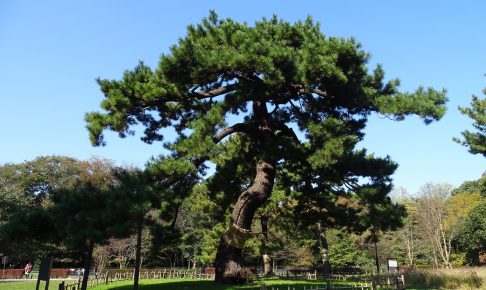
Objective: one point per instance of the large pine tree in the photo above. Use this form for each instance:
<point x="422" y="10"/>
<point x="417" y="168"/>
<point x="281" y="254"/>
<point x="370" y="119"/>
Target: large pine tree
<point x="302" y="99"/>
<point x="475" y="141"/>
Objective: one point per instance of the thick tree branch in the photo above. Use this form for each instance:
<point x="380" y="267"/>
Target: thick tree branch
<point x="287" y="131"/>
<point x="214" y="92"/>
<point x="240" y="127"/>
<point x="176" y="214"/>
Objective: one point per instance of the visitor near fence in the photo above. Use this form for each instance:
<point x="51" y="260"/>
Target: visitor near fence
<point x="28" y="269"/>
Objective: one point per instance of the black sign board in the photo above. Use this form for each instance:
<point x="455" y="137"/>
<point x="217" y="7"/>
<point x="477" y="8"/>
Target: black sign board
<point x="44" y="272"/>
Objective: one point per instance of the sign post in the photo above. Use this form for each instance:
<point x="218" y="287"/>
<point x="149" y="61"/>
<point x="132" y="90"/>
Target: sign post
<point x="4" y="261"/>
<point x="392" y="265"/>
<point x="44" y="272"/>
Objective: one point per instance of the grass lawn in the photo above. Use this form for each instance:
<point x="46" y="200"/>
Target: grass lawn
<point x="29" y="285"/>
<point x="183" y="284"/>
<point x="172" y="284"/>
<point x="180" y="284"/>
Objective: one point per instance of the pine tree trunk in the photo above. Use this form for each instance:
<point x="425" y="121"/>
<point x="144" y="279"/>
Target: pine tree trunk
<point x="229" y="263"/>
<point x="87" y="265"/>
<point x="138" y="254"/>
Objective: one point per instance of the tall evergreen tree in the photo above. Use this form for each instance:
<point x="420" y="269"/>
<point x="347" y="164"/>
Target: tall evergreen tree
<point x="83" y="213"/>
<point x="475" y="141"/>
<point x="285" y="81"/>
<point x="134" y="196"/>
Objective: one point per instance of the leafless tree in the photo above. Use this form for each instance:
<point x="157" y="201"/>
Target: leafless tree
<point x="409" y="232"/>
<point x="121" y="251"/>
<point x="432" y="216"/>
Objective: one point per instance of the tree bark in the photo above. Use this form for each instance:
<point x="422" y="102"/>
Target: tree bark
<point x="377" y="262"/>
<point x="229" y="263"/>
<point x="87" y="265"/>
<point x="375" y="241"/>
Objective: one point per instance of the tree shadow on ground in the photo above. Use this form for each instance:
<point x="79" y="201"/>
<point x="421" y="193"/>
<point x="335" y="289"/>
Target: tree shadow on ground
<point x="186" y="285"/>
<point x="211" y="285"/>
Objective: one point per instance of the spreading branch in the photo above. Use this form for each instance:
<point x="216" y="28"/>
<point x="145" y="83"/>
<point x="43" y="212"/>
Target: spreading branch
<point x="213" y="93"/>
<point x="240" y="127"/>
<point x="287" y="131"/>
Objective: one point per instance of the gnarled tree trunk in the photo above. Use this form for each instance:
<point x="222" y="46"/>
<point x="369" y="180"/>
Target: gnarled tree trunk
<point x="228" y="263"/>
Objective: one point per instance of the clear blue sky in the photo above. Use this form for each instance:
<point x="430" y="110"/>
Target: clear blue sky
<point x="52" y="51"/>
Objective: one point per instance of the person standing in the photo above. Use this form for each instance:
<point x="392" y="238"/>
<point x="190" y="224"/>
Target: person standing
<point x="28" y="269"/>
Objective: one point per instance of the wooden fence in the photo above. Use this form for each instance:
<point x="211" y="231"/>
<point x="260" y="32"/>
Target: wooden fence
<point x="388" y="281"/>
<point x="324" y="287"/>
<point x="107" y="278"/>
<point x="354" y="282"/>
<point x="382" y="282"/>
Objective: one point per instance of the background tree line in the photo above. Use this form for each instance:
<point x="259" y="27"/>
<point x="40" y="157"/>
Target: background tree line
<point x="443" y="226"/>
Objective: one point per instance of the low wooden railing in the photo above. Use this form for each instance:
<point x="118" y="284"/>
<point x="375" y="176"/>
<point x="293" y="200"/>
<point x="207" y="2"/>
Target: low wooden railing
<point x="107" y="277"/>
<point x="355" y="281"/>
